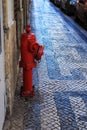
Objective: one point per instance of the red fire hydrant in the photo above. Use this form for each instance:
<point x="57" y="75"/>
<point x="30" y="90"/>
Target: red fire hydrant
<point x="30" y="52"/>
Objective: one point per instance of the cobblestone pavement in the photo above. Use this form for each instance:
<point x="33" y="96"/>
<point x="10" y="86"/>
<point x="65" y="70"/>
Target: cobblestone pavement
<point x="60" y="78"/>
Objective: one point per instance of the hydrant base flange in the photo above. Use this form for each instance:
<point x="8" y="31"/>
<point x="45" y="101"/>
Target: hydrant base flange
<point x="27" y="93"/>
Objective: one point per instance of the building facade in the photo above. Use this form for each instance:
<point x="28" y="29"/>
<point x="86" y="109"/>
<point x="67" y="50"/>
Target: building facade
<point x="13" y="19"/>
<point x="2" y="72"/>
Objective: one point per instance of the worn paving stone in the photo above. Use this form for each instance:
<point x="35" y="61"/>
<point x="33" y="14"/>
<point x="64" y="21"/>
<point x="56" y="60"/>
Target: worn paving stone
<point x="18" y="108"/>
<point x="60" y="78"/>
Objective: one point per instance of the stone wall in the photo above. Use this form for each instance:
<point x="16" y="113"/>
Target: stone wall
<point x="11" y="64"/>
<point x="26" y="9"/>
<point x="12" y="47"/>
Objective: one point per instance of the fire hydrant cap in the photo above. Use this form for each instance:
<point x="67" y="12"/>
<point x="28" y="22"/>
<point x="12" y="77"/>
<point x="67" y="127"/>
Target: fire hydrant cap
<point x="28" y="28"/>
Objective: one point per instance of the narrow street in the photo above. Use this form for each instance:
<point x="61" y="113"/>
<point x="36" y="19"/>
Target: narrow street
<point x="60" y="78"/>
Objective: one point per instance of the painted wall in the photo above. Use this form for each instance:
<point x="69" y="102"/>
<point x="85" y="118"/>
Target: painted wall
<point x="2" y="73"/>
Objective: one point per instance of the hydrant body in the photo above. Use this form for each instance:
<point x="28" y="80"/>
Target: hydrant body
<point x="30" y="52"/>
